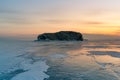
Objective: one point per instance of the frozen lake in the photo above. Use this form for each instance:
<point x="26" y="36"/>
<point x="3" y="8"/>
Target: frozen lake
<point x="87" y="60"/>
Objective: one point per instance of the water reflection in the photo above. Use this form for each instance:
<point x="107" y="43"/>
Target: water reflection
<point x="65" y="60"/>
<point x="81" y="60"/>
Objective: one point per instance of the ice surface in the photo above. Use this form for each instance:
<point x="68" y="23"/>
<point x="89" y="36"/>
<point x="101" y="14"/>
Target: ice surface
<point x="25" y="60"/>
<point x="18" y="63"/>
<point x="35" y="71"/>
<point x="111" y="53"/>
<point x="58" y="56"/>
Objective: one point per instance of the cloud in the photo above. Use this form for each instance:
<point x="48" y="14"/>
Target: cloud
<point x="93" y="22"/>
<point x="118" y="32"/>
<point x="57" y="21"/>
<point x="14" y="20"/>
<point x="74" y="21"/>
<point x="10" y="16"/>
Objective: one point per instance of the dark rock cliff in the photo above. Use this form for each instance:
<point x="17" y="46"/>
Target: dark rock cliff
<point x="61" y="36"/>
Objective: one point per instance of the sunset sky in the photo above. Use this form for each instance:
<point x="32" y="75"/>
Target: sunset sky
<point x="38" y="16"/>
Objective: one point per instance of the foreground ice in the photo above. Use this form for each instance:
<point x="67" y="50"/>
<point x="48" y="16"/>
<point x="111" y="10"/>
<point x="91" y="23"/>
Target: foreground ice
<point x="35" y="71"/>
<point x="18" y="63"/>
<point x="23" y="60"/>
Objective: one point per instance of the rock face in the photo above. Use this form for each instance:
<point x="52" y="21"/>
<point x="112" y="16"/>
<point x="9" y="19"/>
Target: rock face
<point x="61" y="36"/>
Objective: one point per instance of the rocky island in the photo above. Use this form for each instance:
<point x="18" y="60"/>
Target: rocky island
<point x="61" y="36"/>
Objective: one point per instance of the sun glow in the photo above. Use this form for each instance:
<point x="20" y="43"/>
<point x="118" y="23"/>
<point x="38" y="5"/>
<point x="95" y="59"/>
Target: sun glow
<point x="94" y="17"/>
